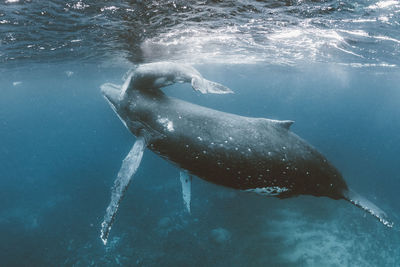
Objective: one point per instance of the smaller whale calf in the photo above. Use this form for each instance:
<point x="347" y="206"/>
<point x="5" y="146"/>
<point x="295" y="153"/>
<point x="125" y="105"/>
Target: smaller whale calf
<point x="252" y="154"/>
<point x="161" y="74"/>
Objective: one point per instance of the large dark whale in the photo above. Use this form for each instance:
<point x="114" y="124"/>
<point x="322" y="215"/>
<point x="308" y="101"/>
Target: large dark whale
<point x="252" y="154"/>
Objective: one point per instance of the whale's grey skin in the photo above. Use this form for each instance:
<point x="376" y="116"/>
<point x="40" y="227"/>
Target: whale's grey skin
<point x="252" y="154"/>
<point x="230" y="150"/>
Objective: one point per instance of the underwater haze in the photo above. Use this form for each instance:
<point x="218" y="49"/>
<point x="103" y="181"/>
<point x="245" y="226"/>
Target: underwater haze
<point x="333" y="67"/>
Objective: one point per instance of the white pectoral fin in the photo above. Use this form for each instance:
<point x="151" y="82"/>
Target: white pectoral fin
<point x="128" y="168"/>
<point x="205" y="86"/>
<point x="198" y="84"/>
<point x="216" y="88"/>
<point x="186" y="181"/>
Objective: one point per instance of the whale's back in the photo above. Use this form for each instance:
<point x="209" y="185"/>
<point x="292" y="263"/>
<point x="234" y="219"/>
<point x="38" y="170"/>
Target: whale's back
<point x="235" y="151"/>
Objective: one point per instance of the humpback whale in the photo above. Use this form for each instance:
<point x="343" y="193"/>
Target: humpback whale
<point x="252" y="154"/>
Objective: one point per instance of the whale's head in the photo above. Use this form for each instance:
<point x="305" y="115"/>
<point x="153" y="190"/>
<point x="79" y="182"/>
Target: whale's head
<point x="118" y="95"/>
<point x="112" y="93"/>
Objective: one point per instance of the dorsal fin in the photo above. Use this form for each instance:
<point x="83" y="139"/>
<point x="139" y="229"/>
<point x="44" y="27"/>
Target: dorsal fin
<point x="284" y="124"/>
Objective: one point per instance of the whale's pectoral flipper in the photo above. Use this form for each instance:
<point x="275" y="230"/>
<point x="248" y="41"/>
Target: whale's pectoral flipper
<point x="128" y="169"/>
<point x="205" y="86"/>
<point x="368" y="206"/>
<point x="186" y="181"/>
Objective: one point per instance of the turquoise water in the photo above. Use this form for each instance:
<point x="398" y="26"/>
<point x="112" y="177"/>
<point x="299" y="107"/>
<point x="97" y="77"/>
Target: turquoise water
<point x="332" y="68"/>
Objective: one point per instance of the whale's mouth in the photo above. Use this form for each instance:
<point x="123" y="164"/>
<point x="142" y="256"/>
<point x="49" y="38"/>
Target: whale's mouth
<point x="111" y="92"/>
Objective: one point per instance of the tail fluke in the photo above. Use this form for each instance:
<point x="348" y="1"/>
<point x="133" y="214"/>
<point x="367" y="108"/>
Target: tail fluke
<point x="205" y="86"/>
<point x="368" y="206"/>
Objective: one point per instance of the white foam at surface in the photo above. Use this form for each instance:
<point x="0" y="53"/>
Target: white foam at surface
<point x="383" y="4"/>
<point x="277" y="41"/>
<point x="129" y="166"/>
<point x="286" y="45"/>
<point x="79" y="5"/>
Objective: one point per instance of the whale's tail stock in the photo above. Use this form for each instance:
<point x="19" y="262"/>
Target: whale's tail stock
<point x="368" y="206"/>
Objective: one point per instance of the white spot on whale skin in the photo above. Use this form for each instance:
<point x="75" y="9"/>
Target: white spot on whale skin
<point x="167" y="124"/>
<point x="268" y="191"/>
<point x="17" y="83"/>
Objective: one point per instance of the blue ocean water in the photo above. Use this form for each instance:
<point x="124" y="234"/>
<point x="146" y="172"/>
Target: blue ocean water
<point x="332" y="67"/>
